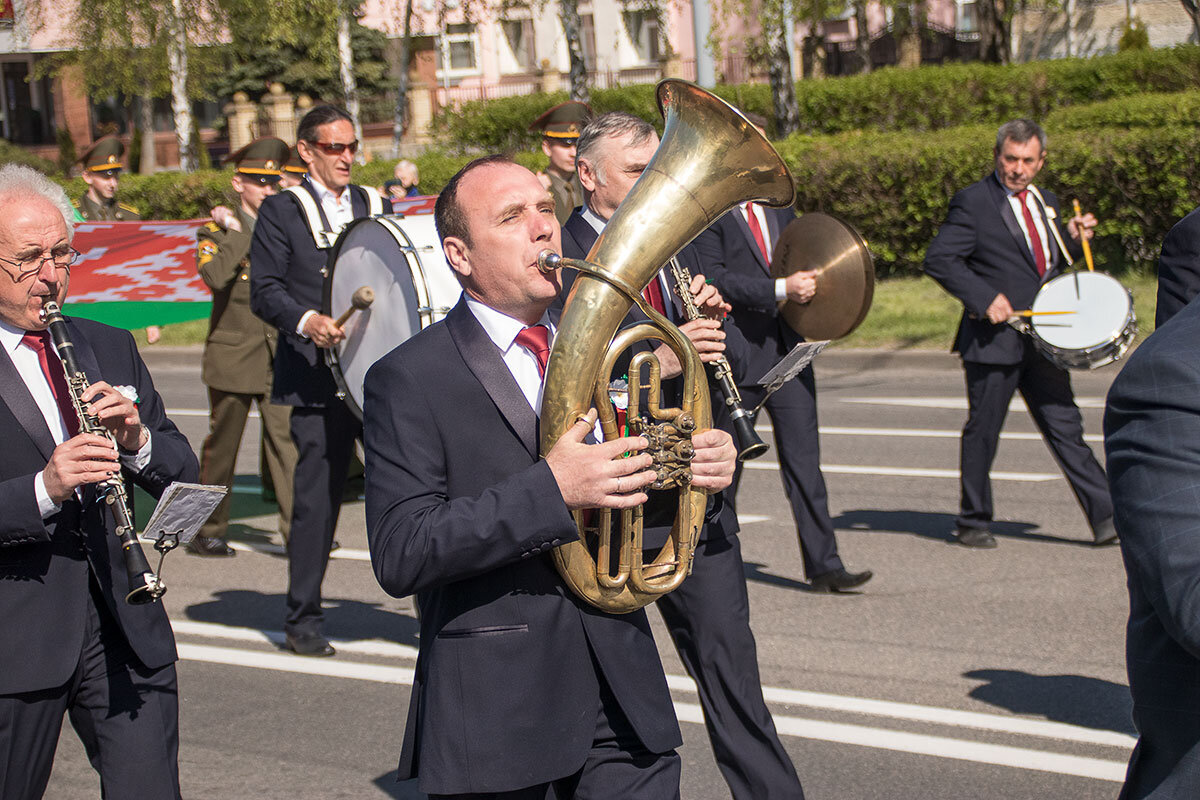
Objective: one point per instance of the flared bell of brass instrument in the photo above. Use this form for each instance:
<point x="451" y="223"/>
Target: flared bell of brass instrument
<point x="710" y="159"/>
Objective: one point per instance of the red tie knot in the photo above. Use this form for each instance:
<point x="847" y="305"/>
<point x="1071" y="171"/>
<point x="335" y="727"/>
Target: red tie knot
<point x="536" y="339"/>
<point x="36" y="340"/>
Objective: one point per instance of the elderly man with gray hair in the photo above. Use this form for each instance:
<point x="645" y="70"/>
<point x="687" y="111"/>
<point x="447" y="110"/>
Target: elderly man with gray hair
<point x="72" y="644"/>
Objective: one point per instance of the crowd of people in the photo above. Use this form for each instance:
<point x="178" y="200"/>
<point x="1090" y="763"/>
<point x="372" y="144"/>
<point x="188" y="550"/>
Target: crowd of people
<point x="523" y="689"/>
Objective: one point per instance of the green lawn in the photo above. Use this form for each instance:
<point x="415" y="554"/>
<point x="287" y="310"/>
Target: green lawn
<point x="907" y="314"/>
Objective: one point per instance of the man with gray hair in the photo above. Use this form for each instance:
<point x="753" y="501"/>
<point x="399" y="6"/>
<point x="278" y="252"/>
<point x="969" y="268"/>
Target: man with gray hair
<point x="1001" y="241"/>
<point x="72" y="645"/>
<point x="708" y="616"/>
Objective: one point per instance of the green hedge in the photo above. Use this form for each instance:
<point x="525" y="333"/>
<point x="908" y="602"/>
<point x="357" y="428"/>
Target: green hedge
<point x="926" y="98"/>
<point x="896" y="187"/>
<point x="12" y="154"/>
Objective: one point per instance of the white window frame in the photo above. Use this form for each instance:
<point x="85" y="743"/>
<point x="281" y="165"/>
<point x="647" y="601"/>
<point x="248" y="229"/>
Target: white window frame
<point x="446" y="39"/>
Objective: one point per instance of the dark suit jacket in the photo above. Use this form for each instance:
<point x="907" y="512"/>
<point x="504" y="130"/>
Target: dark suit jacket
<point x="730" y="257"/>
<point x="462" y="512"/>
<point x="44" y="564"/>
<point x="288" y="280"/>
<point x="1152" y="440"/>
<point x="980" y="252"/>
<point x="1178" y="268"/>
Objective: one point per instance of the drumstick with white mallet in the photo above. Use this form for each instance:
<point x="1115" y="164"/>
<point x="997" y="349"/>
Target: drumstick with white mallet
<point x="1027" y="313"/>
<point x="1083" y="240"/>
<point x="362" y="298"/>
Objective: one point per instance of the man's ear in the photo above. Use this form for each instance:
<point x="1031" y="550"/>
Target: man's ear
<point x="236" y="181"/>
<point x="587" y="177"/>
<point x="546" y="146"/>
<point x="305" y="152"/>
<point x="457" y="255"/>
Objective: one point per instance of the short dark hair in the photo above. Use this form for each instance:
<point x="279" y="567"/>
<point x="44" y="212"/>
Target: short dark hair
<point x="1020" y="131"/>
<point x="447" y="212"/>
<point x="318" y="116"/>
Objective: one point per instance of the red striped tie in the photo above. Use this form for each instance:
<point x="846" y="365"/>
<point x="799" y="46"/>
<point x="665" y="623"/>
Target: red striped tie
<point x="756" y="229"/>
<point x="39" y="342"/>
<point x="1035" y="241"/>
<point x="536" y="339"/>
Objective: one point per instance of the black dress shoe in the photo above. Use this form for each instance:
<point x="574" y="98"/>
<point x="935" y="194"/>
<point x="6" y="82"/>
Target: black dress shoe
<point x="839" y="580"/>
<point x="309" y="644"/>
<point x="975" y="537"/>
<point x="213" y="546"/>
<point x="1104" y="533"/>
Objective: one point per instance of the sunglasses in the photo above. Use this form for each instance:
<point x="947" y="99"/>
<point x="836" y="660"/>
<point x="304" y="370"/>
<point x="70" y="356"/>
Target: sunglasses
<point x="336" y="148"/>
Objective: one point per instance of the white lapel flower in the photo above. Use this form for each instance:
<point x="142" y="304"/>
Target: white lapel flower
<point x="129" y="392"/>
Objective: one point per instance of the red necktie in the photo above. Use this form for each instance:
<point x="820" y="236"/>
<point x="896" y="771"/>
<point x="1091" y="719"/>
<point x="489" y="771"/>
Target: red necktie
<point x="39" y="342"/>
<point x="756" y="229"/>
<point x="654" y="296"/>
<point x="1039" y="257"/>
<point x="536" y="339"/>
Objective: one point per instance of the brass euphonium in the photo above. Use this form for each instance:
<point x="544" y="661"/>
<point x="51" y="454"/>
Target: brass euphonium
<point x="710" y="159"/>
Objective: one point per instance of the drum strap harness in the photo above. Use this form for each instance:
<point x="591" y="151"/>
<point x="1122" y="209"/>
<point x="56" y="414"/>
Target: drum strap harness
<point x="322" y="236"/>
<point x="1051" y="218"/>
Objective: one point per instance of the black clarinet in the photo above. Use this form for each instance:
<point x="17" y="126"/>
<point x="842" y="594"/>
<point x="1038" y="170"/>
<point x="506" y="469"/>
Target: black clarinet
<point x="145" y="585"/>
<point x="749" y="445"/>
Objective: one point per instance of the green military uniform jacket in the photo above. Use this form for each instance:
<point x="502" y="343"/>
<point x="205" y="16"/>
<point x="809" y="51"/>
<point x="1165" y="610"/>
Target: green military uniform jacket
<point x="105" y="212"/>
<point x="239" y="352"/>
<point x="568" y="195"/>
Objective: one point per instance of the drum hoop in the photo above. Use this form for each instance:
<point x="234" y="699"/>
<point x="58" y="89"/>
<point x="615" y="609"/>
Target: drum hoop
<point x="411" y="258"/>
<point x="1097" y="355"/>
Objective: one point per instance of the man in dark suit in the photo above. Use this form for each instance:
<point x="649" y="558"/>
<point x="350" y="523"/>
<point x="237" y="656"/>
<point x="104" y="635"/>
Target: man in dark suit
<point x="735" y="252"/>
<point x="289" y="250"/>
<point x="522" y="689"/>
<point x="240" y="348"/>
<point x="1002" y="239"/>
<point x="71" y="643"/>
<point x="1152" y="441"/>
<point x="708" y="617"/>
<point x="1178" y="268"/>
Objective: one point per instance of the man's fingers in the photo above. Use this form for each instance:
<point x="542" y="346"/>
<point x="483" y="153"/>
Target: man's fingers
<point x="579" y="431"/>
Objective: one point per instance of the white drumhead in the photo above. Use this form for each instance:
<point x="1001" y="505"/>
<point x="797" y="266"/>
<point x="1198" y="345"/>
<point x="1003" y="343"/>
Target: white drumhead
<point x="1100" y="304"/>
<point x="402" y="261"/>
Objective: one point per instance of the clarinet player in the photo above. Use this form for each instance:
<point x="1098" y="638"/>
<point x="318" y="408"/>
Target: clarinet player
<point x="72" y="645"/>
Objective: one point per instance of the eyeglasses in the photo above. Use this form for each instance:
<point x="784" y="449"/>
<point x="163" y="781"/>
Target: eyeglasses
<point x="336" y="148"/>
<point x="63" y="257"/>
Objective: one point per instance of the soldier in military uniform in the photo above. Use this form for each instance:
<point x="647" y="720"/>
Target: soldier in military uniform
<point x="560" y="127"/>
<point x="101" y="172"/>
<point x="294" y="170"/>
<point x="240" y="349"/>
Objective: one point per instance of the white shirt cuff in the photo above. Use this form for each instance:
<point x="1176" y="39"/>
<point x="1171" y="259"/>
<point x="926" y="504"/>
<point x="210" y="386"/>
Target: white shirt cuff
<point x="304" y="319"/>
<point x="136" y="462"/>
<point x="780" y="290"/>
<point x="46" y="507"/>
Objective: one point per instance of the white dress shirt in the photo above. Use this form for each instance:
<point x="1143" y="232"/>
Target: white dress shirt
<point x="780" y="283"/>
<point x="30" y="369"/>
<point x="668" y="292"/>
<point x="1038" y="223"/>
<point x="340" y="212"/>
<point x="523" y="364"/>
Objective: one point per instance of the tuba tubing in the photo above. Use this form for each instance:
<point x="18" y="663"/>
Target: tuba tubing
<point x="710" y="159"/>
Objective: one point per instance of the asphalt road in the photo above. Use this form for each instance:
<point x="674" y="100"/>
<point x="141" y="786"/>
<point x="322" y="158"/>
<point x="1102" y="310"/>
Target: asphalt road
<point x="955" y="674"/>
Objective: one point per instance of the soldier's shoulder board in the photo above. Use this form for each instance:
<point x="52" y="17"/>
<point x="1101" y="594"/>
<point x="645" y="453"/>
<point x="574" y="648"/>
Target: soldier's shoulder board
<point x="129" y="208"/>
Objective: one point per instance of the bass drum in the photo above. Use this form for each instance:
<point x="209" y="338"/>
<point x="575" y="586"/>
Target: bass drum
<point x="1099" y="324"/>
<point x="400" y="258"/>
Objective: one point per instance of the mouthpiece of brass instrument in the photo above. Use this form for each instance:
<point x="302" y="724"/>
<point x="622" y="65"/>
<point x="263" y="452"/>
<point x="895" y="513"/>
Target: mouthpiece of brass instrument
<point x="548" y="260"/>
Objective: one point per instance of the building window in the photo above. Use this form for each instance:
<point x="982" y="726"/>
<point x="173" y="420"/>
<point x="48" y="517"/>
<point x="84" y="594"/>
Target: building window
<point x="967" y="17"/>
<point x="459" y="48"/>
<point x="518" y="53"/>
<point x="642" y="28"/>
<point x="588" y="26"/>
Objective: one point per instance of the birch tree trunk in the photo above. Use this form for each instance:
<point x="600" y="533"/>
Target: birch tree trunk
<point x="862" y="36"/>
<point x="779" y="71"/>
<point x="177" y="65"/>
<point x="349" y="84"/>
<point x="400" y="117"/>
<point x="573" y="30"/>
<point x="149" y="160"/>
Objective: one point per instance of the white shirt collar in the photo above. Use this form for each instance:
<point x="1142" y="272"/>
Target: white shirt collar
<point x="10" y="337"/>
<point x="324" y="194"/>
<point x="501" y="328"/>
<point x="593" y="219"/>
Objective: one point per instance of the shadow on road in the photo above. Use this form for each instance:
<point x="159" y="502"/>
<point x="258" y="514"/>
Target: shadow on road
<point x="344" y="619"/>
<point x="400" y="790"/>
<point x="754" y="572"/>
<point x="1073" y="699"/>
<point x="939" y="527"/>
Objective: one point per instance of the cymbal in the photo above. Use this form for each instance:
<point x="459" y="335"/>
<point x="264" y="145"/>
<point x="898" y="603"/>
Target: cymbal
<point x="845" y="275"/>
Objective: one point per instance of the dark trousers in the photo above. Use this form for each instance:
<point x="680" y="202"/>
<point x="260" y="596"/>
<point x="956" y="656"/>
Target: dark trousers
<point x="1047" y="392"/>
<point x="708" y="617"/>
<point x="324" y="441"/>
<point x="127" y="717"/>
<point x="793" y="413"/>
<point x="617" y="766"/>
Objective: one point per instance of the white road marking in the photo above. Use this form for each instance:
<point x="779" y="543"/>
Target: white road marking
<point x="746" y="519"/>
<point x="929" y="433"/>
<point x="861" y="735"/>
<point x="345" y="553"/>
<point x="201" y="412"/>
<point x="957" y="402"/>
<point x="909" y="472"/>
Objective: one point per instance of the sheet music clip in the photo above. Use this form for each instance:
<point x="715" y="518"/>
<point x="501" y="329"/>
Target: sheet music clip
<point x="180" y="512"/>
<point x="789" y="367"/>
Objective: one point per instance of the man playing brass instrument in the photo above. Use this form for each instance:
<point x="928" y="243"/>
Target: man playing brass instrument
<point x="521" y="689"/>
<point x="71" y="643"/>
